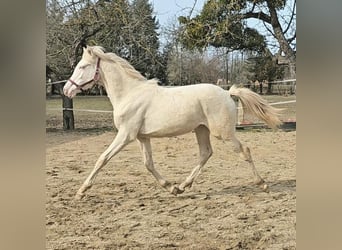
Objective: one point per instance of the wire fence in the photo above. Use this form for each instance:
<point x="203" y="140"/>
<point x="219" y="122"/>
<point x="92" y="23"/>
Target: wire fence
<point x="280" y="87"/>
<point x="103" y="118"/>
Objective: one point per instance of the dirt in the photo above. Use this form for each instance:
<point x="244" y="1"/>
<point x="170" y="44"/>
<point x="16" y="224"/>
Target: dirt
<point x="127" y="209"/>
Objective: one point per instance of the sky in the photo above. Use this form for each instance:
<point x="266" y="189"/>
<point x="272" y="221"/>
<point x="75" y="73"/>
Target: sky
<point x="165" y="10"/>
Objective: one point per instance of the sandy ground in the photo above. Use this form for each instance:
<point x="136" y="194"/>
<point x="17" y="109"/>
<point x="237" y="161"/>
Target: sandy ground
<point x="127" y="209"/>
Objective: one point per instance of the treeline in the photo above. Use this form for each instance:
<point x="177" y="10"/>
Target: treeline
<point x="216" y="44"/>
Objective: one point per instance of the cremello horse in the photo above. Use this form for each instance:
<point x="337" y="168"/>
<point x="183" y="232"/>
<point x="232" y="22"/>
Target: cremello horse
<point x="143" y="110"/>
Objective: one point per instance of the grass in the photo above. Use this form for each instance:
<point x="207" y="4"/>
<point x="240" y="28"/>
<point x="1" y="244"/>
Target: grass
<point x="82" y="102"/>
<point x="289" y="109"/>
<point x="84" y="120"/>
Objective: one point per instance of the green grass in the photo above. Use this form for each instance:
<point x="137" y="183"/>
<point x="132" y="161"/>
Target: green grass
<point x="83" y="120"/>
<point x="278" y="98"/>
<point x="103" y="103"/>
<point x="289" y="109"/>
<point x="82" y="102"/>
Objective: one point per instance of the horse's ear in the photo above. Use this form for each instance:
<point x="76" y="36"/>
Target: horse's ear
<point x="88" y="50"/>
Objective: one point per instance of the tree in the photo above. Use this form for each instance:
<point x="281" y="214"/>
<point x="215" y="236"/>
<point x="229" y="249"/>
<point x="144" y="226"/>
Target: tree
<point x="264" y="67"/>
<point x="185" y="66"/>
<point x="218" y="25"/>
<point x="144" y="54"/>
<point x="128" y="29"/>
<point x="68" y="28"/>
<point x="163" y="66"/>
<point x="116" y="25"/>
<point x="222" y="23"/>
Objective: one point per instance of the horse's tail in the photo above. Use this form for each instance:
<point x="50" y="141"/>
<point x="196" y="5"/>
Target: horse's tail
<point x="253" y="103"/>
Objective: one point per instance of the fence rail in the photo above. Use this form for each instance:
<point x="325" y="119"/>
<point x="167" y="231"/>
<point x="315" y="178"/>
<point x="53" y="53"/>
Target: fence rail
<point x="52" y="83"/>
<point x="82" y="110"/>
<point x="226" y="85"/>
<point x="280" y="81"/>
<point x="281" y="87"/>
<point x="111" y="111"/>
<point x="240" y="114"/>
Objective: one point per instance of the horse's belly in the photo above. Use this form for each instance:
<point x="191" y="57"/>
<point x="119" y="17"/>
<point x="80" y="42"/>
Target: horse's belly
<point x="172" y="124"/>
<point x="165" y="132"/>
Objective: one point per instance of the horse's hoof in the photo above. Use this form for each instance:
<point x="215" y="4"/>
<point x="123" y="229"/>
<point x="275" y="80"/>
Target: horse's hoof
<point x="79" y="196"/>
<point x="184" y="185"/>
<point x="265" y="188"/>
<point x="175" y="190"/>
<point x="259" y="182"/>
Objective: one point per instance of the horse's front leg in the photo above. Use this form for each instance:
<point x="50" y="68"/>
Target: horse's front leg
<point x="121" y="140"/>
<point x="146" y="150"/>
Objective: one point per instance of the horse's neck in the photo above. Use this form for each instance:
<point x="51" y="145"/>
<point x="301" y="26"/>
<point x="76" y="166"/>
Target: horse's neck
<point x="117" y="84"/>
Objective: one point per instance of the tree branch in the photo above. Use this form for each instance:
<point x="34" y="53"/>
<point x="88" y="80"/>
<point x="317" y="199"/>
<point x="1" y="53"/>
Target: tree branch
<point x="269" y="30"/>
<point x="292" y="15"/>
<point x="253" y="7"/>
<point x="258" y="15"/>
<point x="192" y="9"/>
<point x="292" y="38"/>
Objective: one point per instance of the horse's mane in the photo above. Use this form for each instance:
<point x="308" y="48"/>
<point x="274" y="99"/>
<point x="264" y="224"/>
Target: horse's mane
<point x="126" y="66"/>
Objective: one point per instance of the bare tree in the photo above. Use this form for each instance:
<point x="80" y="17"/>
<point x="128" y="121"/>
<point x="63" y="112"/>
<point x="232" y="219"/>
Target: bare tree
<point x="224" y="24"/>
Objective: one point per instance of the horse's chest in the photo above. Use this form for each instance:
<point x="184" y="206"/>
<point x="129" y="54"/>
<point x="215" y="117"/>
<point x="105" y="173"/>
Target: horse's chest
<point x="129" y="115"/>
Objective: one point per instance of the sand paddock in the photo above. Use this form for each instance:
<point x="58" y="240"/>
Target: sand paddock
<point x="127" y="209"/>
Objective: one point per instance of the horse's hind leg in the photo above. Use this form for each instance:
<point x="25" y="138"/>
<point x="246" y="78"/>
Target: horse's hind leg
<point x="121" y="140"/>
<point x="205" y="151"/>
<point x="245" y="153"/>
<point x="145" y="145"/>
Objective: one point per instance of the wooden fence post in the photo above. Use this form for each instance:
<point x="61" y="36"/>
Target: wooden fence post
<point x="68" y="115"/>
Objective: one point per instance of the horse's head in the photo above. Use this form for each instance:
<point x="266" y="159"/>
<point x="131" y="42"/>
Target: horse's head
<point x="85" y="74"/>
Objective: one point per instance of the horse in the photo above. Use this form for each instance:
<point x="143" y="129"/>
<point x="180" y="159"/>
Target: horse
<point x="143" y="110"/>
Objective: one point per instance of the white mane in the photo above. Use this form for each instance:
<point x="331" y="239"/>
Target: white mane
<point x="124" y="64"/>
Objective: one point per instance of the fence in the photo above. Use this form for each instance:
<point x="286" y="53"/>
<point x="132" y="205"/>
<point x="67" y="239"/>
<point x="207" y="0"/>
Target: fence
<point x="246" y="119"/>
<point x="243" y="119"/>
<point x="281" y="87"/>
<point x="102" y="118"/>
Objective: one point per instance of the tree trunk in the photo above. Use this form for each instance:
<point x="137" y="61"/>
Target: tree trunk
<point x="226" y="60"/>
<point x="269" y="88"/>
<point x="292" y="70"/>
<point x="260" y="88"/>
<point x="284" y="45"/>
